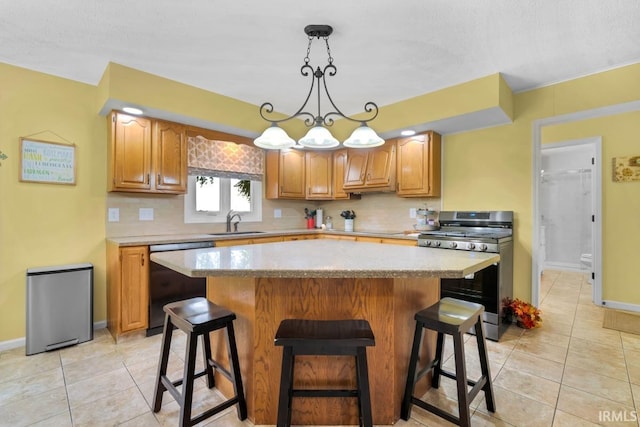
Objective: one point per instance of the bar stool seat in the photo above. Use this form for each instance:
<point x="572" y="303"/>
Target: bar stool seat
<point x="328" y="338"/>
<point x="452" y="317"/>
<point x="198" y="317"/>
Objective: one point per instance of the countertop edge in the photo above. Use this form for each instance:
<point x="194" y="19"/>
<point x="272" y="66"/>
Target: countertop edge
<point x="199" y="237"/>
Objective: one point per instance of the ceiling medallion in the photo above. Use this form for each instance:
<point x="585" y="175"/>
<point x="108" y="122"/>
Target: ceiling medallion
<point x="318" y="137"/>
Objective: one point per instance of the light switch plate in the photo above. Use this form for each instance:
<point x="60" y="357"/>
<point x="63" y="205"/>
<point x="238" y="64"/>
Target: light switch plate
<point x="114" y="215"/>
<point x="277" y="213"/>
<point x="145" y="214"/>
<point x="412" y="212"/>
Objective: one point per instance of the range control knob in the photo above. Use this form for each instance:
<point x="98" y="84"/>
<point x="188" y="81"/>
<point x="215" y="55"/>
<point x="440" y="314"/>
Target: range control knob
<point x="437" y="243"/>
<point x="453" y="245"/>
<point x="428" y="242"/>
<point x="483" y="247"/>
<point x="471" y="246"/>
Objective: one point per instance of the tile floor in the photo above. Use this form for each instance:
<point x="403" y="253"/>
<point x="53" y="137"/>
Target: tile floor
<point x="569" y="372"/>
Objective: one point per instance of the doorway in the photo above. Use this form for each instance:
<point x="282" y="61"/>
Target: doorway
<point x="568" y="211"/>
<point x="566" y="206"/>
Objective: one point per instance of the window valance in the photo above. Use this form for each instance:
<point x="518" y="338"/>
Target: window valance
<point x="224" y="159"/>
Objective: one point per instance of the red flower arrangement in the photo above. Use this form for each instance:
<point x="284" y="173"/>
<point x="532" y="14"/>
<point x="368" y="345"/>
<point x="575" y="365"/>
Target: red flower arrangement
<point x="526" y="315"/>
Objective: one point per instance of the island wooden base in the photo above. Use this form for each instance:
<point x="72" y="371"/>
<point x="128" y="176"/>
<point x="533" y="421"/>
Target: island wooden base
<point x="261" y="303"/>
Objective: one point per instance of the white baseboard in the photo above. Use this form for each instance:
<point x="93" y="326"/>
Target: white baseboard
<point x="8" y="345"/>
<point x="621" y="306"/>
<point x="22" y="342"/>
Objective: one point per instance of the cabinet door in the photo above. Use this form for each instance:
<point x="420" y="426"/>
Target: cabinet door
<point x="170" y="157"/>
<point x="418" y="165"/>
<point x="339" y="170"/>
<point x="319" y="167"/>
<point x="291" y="175"/>
<point x="356" y="168"/>
<point x="380" y="165"/>
<point x="130" y="153"/>
<point x="134" y="288"/>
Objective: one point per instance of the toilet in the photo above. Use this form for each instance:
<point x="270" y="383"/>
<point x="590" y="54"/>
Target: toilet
<point x="586" y="262"/>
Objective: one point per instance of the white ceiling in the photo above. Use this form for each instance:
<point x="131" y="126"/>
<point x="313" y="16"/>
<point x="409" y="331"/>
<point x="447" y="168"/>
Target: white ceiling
<point x="385" y="51"/>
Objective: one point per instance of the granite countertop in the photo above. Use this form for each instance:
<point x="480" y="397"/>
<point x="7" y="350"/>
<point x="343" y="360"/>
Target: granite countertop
<point x="325" y="259"/>
<point x="180" y="238"/>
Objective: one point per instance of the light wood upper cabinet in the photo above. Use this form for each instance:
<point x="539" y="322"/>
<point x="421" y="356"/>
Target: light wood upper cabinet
<point x="129" y="155"/>
<point x="127" y="288"/>
<point x="285" y="174"/>
<point x="418" y="165"/>
<point x="339" y="170"/>
<point x="356" y="168"/>
<point x="146" y="155"/>
<point x="170" y="158"/>
<point x="371" y="169"/>
<point x="319" y="175"/>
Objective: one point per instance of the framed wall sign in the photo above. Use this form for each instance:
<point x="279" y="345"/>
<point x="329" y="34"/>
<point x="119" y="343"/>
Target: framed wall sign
<point x="47" y="162"/>
<point x="626" y="169"/>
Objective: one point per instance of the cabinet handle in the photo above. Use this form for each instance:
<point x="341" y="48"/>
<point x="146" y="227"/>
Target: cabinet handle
<point x="147" y="181"/>
<point x="158" y="181"/>
<point x="141" y="259"/>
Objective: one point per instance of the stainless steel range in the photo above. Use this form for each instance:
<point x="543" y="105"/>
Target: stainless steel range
<point x="478" y="231"/>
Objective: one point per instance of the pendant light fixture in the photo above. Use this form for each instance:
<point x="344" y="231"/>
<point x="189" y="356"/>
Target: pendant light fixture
<point x="318" y="137"/>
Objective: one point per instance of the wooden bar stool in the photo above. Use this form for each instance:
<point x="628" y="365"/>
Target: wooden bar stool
<point x="453" y="317"/>
<point x="198" y="317"/>
<point x="329" y="338"/>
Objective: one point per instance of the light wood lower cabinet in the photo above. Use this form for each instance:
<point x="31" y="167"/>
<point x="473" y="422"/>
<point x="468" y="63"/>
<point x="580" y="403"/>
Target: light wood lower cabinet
<point x="301" y="237"/>
<point x="127" y="288"/>
<point x="248" y="241"/>
<point x="403" y="242"/>
<point x="128" y="277"/>
<point x="338" y="237"/>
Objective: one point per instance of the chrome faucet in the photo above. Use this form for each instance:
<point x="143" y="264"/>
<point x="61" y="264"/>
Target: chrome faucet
<point x="230" y="217"/>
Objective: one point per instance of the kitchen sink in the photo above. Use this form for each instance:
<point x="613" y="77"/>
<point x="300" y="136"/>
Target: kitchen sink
<point x="233" y="233"/>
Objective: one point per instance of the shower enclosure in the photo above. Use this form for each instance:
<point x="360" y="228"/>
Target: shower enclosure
<point x="566" y="209"/>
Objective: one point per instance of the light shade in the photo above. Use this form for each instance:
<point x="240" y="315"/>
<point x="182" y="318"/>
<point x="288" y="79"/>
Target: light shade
<point x="274" y="138"/>
<point x="363" y="137"/>
<point x="318" y="137"/>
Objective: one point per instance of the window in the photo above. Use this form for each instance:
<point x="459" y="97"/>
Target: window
<point x="209" y="199"/>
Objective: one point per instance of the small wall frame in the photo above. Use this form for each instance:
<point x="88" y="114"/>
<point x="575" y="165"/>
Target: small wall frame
<point x="626" y="169"/>
<point x="47" y="162"/>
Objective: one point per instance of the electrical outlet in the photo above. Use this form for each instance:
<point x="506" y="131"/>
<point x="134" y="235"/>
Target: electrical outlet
<point x="412" y="212"/>
<point x="277" y="213"/>
<point x="145" y="214"/>
<point x="114" y="215"/>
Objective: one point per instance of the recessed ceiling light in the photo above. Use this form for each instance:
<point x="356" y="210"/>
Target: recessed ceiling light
<point x="408" y="132"/>
<point x="132" y="110"/>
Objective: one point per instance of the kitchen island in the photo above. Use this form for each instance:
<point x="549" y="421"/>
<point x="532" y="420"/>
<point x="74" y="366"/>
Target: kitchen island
<point x="323" y="279"/>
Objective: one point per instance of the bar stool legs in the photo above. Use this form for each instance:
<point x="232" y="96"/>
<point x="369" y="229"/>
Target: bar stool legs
<point x="452" y="317"/>
<point x="328" y="338"/>
<point x="197" y="317"/>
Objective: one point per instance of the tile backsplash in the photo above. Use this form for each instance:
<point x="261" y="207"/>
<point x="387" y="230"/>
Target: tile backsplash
<point x="374" y="212"/>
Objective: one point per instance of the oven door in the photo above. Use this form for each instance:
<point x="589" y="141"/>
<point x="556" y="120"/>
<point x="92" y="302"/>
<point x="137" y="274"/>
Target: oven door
<point x="481" y="287"/>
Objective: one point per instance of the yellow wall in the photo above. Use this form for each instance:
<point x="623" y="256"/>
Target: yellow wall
<point x="484" y="169"/>
<point x="620" y="200"/>
<point x="46" y="224"/>
<point x="491" y="169"/>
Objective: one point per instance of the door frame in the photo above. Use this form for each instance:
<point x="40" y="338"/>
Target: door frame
<point x="536" y="148"/>
<point x="595" y="146"/>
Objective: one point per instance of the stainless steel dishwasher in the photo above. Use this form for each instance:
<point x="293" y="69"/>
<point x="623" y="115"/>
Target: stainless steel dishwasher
<point x="59" y="307"/>
<point x="167" y="285"/>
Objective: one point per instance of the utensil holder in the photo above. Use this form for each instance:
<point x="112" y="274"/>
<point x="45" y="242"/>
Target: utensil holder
<point x="348" y="225"/>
